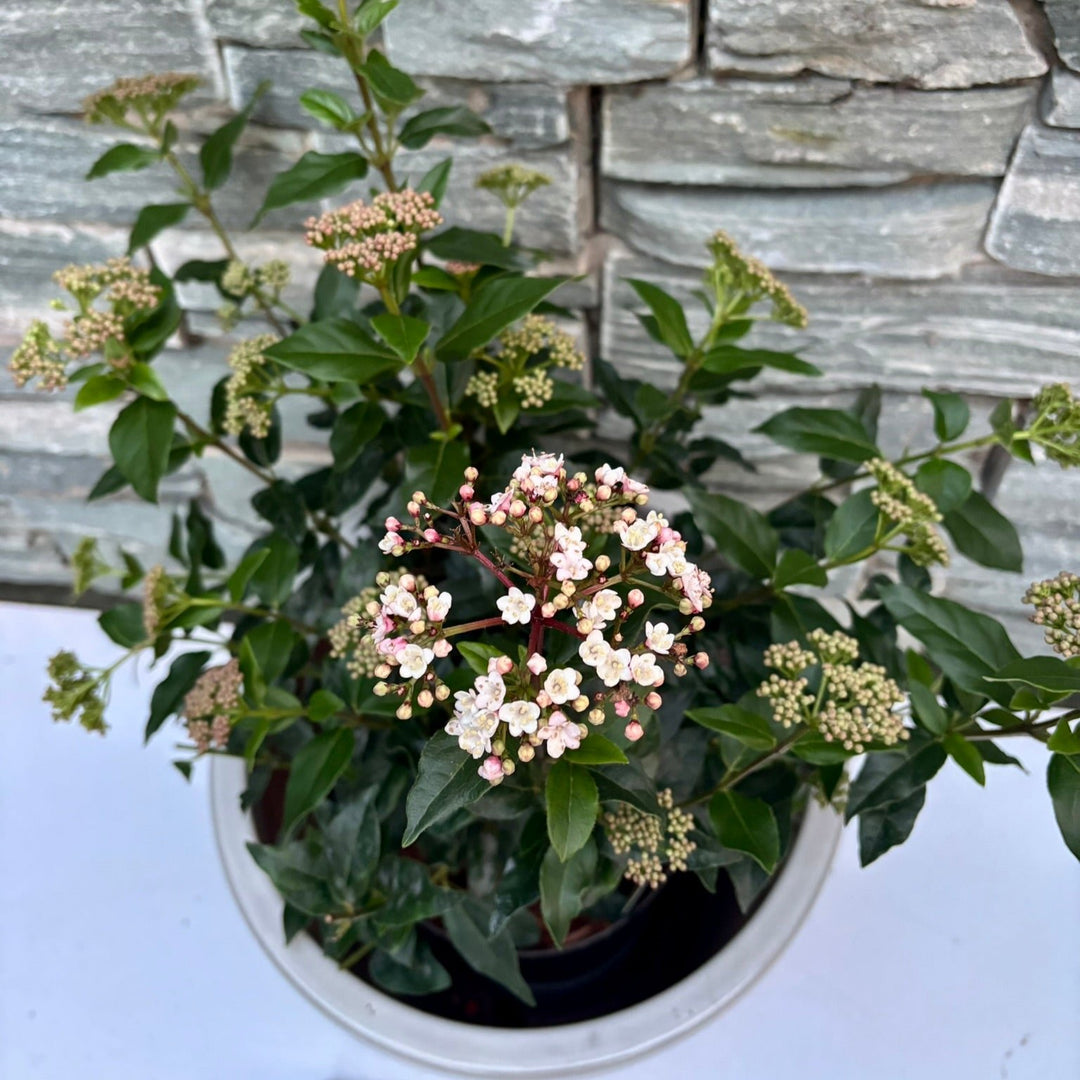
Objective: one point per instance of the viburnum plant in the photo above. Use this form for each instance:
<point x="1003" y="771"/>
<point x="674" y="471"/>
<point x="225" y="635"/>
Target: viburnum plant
<point x="525" y="697"/>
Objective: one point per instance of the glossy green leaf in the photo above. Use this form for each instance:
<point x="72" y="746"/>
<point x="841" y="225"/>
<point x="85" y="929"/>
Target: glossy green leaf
<point x="741" y="533"/>
<point x="335" y="350"/>
<point x="966" y="755"/>
<point x="747" y="825"/>
<point x="272" y="580"/>
<point x="951" y="414"/>
<point x="388" y="83"/>
<point x="572" y="807"/>
<point x="353" y="430"/>
<point x="328" y="108"/>
<point x="446" y="781"/>
<point x="927" y="709"/>
<point x="124" y="624"/>
<point x="1042" y="673"/>
<point x="140" y="440"/>
<point x="168" y="696"/>
<point x="494" y="306"/>
<point x="469" y="245"/>
<point x="237" y="582"/>
<point x="437" y="468"/>
<point x="435" y="180"/>
<point x="670" y="318"/>
<point x="596" y="750"/>
<point x="798" y="567"/>
<point x="216" y="154"/>
<point x="144" y="378"/>
<point x="729" y="359"/>
<point x="519" y="884"/>
<point x="404" y="334"/>
<point x="153" y="220"/>
<point x="411" y="895"/>
<point x="124" y="157"/>
<point x="1063" y="781"/>
<point x="477" y="654"/>
<point x="317" y="766"/>
<point x="314" y="176"/>
<point x="892" y="775"/>
<point x="423" y="974"/>
<point x="985" y="535"/>
<point x="947" y="483"/>
<point x="563" y="886"/>
<point x="297" y="876"/>
<point x="828" y="432"/>
<point x="886" y="826"/>
<point x="97" y="390"/>
<point x="852" y="529"/>
<point x="454" y="120"/>
<point x="749" y="728"/>
<point x="323" y="705"/>
<point x="493" y="956"/>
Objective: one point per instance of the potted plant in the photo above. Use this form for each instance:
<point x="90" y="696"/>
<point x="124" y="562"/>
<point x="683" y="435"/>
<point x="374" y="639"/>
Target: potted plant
<point x="514" y="721"/>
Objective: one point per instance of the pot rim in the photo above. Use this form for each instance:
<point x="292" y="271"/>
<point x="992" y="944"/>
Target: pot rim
<point x="476" y="1050"/>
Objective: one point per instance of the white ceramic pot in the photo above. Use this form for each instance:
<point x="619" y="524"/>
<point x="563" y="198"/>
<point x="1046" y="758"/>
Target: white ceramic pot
<point x="534" y="1052"/>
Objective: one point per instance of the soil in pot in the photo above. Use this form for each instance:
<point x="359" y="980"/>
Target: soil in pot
<point x="665" y="938"/>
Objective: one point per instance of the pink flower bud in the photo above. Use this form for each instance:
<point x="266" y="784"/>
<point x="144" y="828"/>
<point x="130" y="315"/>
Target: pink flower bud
<point x="573" y="484"/>
<point x="653" y="700"/>
<point x="431" y="536"/>
<point x="392" y="525"/>
<point x="537" y="664"/>
<point x="635" y="598"/>
<point x="518" y="509"/>
<point x="697" y="624"/>
<point x="413" y="508"/>
<point x="634" y="731"/>
<point x="629" y="515"/>
<point x="622" y="709"/>
<point x="466" y="491"/>
<point x="477" y="514"/>
<point x="504" y="665"/>
<point x="603" y="493"/>
<point x="425" y="699"/>
<point x="408" y="582"/>
<point x="471" y="474"/>
<point x="548" y="610"/>
<point x="419" y="497"/>
<point x="701" y="661"/>
<point x="492" y="769"/>
<point x="536" y="515"/>
<point x="498" y="518"/>
<point x="543" y="699"/>
<point x="441" y="647"/>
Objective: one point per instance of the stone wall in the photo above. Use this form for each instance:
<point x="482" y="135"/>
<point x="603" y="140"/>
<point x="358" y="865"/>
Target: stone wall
<point x="912" y="166"/>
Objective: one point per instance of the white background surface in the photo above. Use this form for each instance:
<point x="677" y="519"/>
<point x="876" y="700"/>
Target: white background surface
<point x="122" y="954"/>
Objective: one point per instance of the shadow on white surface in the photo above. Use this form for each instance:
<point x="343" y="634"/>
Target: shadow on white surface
<point x="123" y="956"/>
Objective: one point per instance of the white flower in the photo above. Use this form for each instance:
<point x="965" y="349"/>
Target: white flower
<point x="695" y="586"/>
<point x="414" y="661"/>
<point x="516" y="606"/>
<point x="473" y="742"/>
<point x="638" y="534"/>
<point x="520" y="717"/>
<point x="536" y="664"/>
<point x="500" y="501"/>
<point x="562" y="685"/>
<point x="465" y="708"/>
<point x="612" y="476"/>
<point x="538" y="465"/>
<point x="669" y="558"/>
<point x="438" y="607"/>
<point x="615" y="667"/>
<point x="569" y="540"/>
<point x="560" y="733"/>
<point x="399" y="601"/>
<point x="607" y="603"/>
<point x="658" y="637"/>
<point x="594" y="649"/>
<point x="389" y="542"/>
<point x="644" y="670"/>
<point x="570" y="566"/>
<point x="490" y="691"/>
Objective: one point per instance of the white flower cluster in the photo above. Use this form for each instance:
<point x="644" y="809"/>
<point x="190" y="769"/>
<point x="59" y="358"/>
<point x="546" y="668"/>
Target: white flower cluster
<point x="565" y="583"/>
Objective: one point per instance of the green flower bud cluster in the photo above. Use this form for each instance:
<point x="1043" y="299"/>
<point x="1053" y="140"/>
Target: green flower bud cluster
<point x="148" y="97"/>
<point x="915" y="513"/>
<point x="1057" y="608"/>
<point x="87" y="565"/>
<point x="1056" y="427"/>
<point x="75" y="690"/>
<point x="739" y="281"/>
<point x="654" y="841"/>
<point x="241" y="280"/>
<point x="246" y="403"/>
<point x="512" y="184"/>
<point x="156" y="588"/>
<point x="854" y="706"/>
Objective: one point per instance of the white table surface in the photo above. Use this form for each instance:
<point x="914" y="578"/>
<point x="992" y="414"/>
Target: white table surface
<point x="122" y="954"/>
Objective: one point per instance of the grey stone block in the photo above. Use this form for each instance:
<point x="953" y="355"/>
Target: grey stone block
<point x="257" y="22"/>
<point x="811" y="132"/>
<point x="923" y="231"/>
<point x="1064" y="18"/>
<point x="1061" y="99"/>
<point x="53" y="54"/>
<point x="588" y="41"/>
<point x="989" y="334"/>
<point x="932" y="45"/>
<point x="1036" y="222"/>
<point x="525" y="115"/>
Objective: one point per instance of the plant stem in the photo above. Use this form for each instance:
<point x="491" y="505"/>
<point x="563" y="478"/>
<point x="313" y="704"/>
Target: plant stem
<point x="730" y="779"/>
<point x="508" y="228"/>
<point x="1034" y="730"/>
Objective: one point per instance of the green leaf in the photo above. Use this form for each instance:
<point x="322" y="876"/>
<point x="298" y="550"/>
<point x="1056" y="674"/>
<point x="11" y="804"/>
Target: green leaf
<point x="747" y="825"/>
<point x="670" y="318"/>
<point x="322" y="705"/>
<point x="596" y="750"/>
<point x="494" y="306"/>
<point x="729" y="359"/>
<point x="423" y="974"/>
<point x="168" y="696"/>
<point x="506" y="410"/>
<point x="329" y="108"/>
<point x="389" y="84"/>
<point x="272" y="579"/>
<point x="420" y="129"/>
<point x="1042" y="673"/>
<point x="271" y="644"/>
<point x="741" y="533"/>
<point x="411" y="895"/>
<point x="966" y="755"/>
<point x="1064" y="740"/>
<point x="404" y="334"/>
<point x="446" y="781"/>
<point x="494" y="956"/>
<point x="968" y="646"/>
<point x="145" y="379"/>
<point x="477" y="654"/>
<point x="436" y="468"/>
<point x="314" y="176"/>
<point x="798" y="567"/>
<point x="353" y="430"/>
<point x="1063" y="781"/>
<point x="316" y="10"/>
<point x="153" y="220"/>
<point x="886" y="826"/>
<point x="368" y="16"/>
<point x="468" y="245"/>
<point x="852" y="529"/>
<point x="237" y="582"/>
<point x="335" y="350"/>
<point x="828" y="432"/>
<point x="282" y="504"/>
<point x="951" y="414"/>
<point x="563" y="886"/>
<point x="97" y="390"/>
<point x="315" y="769"/>
<point x="436" y="179"/>
<point x="519" y="884"/>
<point x="572" y="806"/>
<point x="140" y="440"/>
<point x="749" y="728"/>
<point x="892" y="775"/>
<point x="216" y="155"/>
<point x="297" y="876"/>
<point x="947" y="483"/>
<point x="124" y="624"/>
<point x="124" y="157"/>
<point x="927" y="709"/>
<point x="985" y="535"/>
<point x="353" y="842"/>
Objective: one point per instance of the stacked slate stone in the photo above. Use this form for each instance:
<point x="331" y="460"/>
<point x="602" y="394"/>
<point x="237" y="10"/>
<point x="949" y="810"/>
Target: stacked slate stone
<point x="911" y="166"/>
